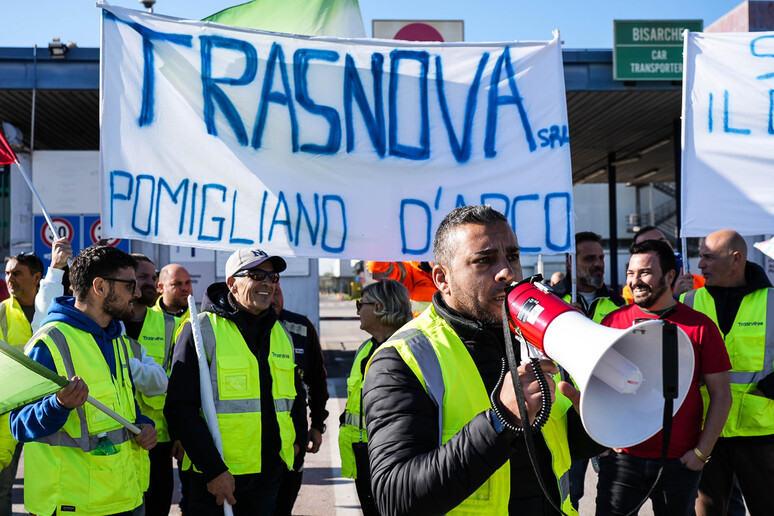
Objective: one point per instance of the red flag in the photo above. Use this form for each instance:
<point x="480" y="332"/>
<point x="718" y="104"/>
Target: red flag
<point x="7" y="155"/>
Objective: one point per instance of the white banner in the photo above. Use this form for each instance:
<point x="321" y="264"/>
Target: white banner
<point x="728" y="133"/>
<point x="337" y="148"/>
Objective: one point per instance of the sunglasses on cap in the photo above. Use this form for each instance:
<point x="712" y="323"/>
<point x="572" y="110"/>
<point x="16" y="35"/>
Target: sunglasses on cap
<point x="259" y="275"/>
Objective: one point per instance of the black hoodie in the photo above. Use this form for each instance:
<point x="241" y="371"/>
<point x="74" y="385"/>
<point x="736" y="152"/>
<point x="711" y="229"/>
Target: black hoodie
<point x="182" y="408"/>
<point x="727" y="303"/>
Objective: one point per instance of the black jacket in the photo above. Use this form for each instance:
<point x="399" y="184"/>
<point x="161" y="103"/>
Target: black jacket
<point x="182" y="408"/>
<point x="310" y="365"/>
<point x="411" y="474"/>
<point x="727" y="303"/>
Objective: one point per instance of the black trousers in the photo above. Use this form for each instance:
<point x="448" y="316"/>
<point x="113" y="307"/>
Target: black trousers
<point x="288" y="491"/>
<point x="752" y="461"/>
<point x="158" y="497"/>
<point x="256" y="494"/>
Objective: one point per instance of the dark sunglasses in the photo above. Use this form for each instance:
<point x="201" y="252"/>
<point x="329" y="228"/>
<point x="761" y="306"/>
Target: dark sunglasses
<point x="132" y="282"/>
<point x="359" y="304"/>
<point x="259" y="275"/>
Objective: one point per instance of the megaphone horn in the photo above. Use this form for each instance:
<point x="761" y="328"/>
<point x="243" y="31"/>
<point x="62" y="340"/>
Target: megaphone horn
<point x="618" y="372"/>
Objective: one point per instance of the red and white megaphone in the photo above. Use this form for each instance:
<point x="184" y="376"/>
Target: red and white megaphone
<point x="618" y="372"/>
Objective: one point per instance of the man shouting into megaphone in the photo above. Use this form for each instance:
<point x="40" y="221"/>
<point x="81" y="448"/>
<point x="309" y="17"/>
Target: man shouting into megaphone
<point x="435" y="444"/>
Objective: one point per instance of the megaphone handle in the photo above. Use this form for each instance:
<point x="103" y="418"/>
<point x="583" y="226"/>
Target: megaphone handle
<point x="512" y="364"/>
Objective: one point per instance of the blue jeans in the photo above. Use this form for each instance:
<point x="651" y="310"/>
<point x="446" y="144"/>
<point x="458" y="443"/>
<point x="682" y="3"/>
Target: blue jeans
<point x="624" y="480"/>
<point x="256" y="494"/>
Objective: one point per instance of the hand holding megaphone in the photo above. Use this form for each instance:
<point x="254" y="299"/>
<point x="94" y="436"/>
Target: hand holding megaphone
<point x="532" y="392"/>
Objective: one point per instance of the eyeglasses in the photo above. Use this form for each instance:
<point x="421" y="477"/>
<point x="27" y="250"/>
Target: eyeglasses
<point x="359" y="304"/>
<point x="259" y="275"/>
<point x="132" y="282"/>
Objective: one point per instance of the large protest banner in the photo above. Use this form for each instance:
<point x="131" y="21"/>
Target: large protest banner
<point x="728" y="133"/>
<point x="219" y="137"/>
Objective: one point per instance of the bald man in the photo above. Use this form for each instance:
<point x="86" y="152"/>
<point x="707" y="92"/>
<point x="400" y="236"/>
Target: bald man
<point x="175" y="287"/>
<point x="739" y="298"/>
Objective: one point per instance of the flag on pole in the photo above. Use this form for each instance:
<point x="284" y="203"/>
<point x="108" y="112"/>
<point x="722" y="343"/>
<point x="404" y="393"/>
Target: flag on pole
<point x="335" y="18"/>
<point x="22" y="380"/>
<point x="7" y="156"/>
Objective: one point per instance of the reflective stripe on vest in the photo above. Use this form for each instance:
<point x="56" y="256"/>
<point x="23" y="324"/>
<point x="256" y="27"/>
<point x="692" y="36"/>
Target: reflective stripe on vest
<point x="351" y="419"/>
<point x="235" y="374"/>
<point x="353" y="430"/>
<point x="85" y="442"/>
<point x="428" y="363"/>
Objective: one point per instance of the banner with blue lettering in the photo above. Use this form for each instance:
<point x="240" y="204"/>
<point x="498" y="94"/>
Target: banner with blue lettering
<point x="728" y="133"/>
<point x="219" y="137"/>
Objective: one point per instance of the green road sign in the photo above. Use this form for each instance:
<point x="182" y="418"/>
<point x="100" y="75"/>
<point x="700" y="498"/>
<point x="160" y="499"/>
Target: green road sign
<point x="650" y="50"/>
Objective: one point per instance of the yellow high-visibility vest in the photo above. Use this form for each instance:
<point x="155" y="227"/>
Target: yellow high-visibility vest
<point x="442" y="363"/>
<point x="61" y="474"/>
<point x="750" y="346"/>
<point x="353" y="430"/>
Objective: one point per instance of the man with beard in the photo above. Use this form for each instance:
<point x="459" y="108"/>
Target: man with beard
<point x="684" y="282"/>
<point x="258" y="395"/>
<point x="151" y="340"/>
<point x="594" y="298"/>
<point x="626" y="476"/>
<point x="739" y="299"/>
<point x="174" y="286"/>
<point x="436" y="442"/>
<point x="81" y="339"/>
<point x="20" y="316"/>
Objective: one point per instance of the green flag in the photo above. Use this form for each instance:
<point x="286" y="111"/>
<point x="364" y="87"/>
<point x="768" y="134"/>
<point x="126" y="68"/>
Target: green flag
<point x="22" y="380"/>
<point x="335" y="18"/>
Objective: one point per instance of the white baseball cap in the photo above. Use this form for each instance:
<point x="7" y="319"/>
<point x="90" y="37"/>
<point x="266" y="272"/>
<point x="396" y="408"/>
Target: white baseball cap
<point x="245" y="259"/>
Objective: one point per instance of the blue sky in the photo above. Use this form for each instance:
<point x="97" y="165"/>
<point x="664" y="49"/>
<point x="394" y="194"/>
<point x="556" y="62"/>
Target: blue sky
<point x="583" y="24"/>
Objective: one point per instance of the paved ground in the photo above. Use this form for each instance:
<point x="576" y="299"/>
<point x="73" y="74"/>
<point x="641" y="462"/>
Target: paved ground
<point x="324" y="491"/>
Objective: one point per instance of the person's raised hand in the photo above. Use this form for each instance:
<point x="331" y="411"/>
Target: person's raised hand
<point x="61" y="251"/>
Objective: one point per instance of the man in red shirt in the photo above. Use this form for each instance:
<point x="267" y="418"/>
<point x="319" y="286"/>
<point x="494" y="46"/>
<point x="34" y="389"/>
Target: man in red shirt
<point x="626" y="476"/>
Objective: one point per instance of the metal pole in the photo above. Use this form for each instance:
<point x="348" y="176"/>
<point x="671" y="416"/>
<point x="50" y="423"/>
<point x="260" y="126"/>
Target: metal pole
<point x="676" y="145"/>
<point x="34" y="99"/>
<point x="613" y="211"/>
<point x="652" y="221"/>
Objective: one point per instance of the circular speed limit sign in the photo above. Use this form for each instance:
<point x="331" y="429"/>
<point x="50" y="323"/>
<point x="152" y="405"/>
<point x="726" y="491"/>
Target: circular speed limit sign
<point x="96" y="234"/>
<point x="62" y="228"/>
